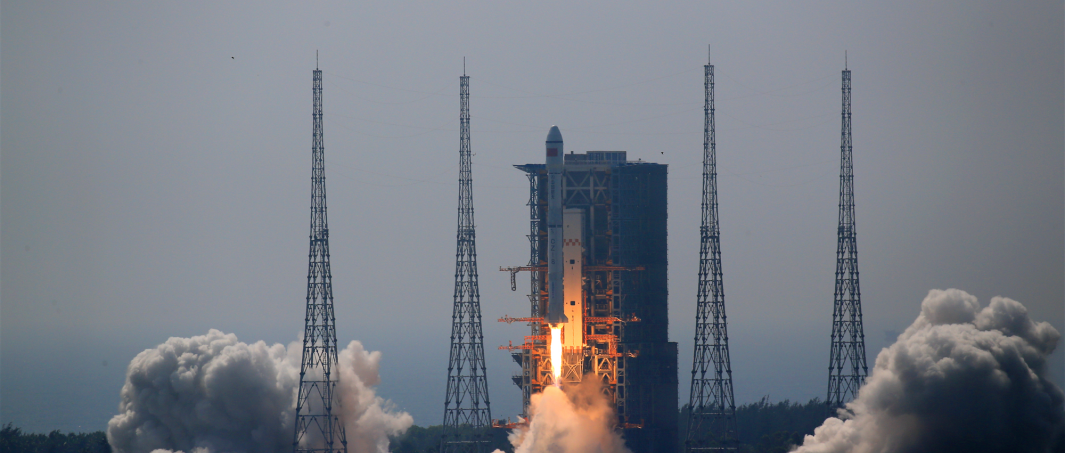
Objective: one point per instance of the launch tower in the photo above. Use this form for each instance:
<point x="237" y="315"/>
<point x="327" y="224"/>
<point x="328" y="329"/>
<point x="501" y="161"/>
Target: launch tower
<point x="846" y="364"/>
<point x="712" y="416"/>
<point x="319" y="428"/>
<point x="467" y="415"/>
<point x="614" y="290"/>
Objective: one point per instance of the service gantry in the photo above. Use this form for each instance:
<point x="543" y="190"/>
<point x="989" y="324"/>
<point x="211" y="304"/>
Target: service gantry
<point x="846" y="363"/>
<point x="467" y="413"/>
<point x="319" y="428"/>
<point x="615" y="292"/>
<point x="712" y="415"/>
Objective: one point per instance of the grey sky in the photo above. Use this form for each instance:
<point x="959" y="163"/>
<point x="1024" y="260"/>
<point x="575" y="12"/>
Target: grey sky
<point x="155" y="173"/>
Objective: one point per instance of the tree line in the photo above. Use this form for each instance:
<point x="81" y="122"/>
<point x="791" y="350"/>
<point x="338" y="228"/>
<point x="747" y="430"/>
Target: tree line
<point x="763" y="427"/>
<point x="13" y="440"/>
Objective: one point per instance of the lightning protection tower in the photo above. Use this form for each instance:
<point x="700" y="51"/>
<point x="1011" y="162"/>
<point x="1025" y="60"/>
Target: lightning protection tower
<point x="467" y="415"/>
<point x="319" y="428"/>
<point x="712" y="416"/>
<point x="846" y="363"/>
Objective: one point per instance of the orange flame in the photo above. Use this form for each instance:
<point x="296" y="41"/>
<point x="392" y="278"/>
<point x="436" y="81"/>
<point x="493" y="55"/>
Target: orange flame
<point x="556" y="354"/>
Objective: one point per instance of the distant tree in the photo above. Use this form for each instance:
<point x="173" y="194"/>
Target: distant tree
<point x="13" y="440"/>
<point x="757" y="420"/>
<point x="417" y="440"/>
<point x="427" y="440"/>
<point x="778" y="442"/>
<point x="766" y="427"/>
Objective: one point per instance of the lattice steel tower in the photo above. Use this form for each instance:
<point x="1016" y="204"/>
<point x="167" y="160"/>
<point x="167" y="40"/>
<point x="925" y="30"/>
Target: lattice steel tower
<point x="318" y="424"/>
<point x="846" y="363"/>
<point x="467" y="415"/>
<point x="712" y="420"/>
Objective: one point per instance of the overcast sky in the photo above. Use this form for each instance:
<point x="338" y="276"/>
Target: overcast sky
<point x="155" y="173"/>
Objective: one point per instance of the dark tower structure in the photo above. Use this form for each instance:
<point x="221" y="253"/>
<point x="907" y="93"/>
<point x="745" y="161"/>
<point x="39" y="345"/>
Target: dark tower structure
<point x="846" y="361"/>
<point x="712" y="416"/>
<point x="615" y="242"/>
<point x="318" y="425"/>
<point x="467" y="415"/>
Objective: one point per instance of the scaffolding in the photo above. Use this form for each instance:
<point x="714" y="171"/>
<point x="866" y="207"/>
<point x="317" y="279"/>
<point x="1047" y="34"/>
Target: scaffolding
<point x="622" y="207"/>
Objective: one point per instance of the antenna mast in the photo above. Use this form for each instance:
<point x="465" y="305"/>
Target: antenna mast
<point x="467" y="414"/>
<point x="846" y="363"/>
<point x="712" y="416"/>
<point x="319" y="428"/>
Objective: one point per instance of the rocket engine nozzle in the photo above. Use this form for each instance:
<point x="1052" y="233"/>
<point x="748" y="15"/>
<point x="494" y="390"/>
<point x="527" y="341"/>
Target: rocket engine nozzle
<point x="556" y="320"/>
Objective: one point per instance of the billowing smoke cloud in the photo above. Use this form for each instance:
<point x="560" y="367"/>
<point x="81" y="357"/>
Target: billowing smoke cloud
<point x="961" y="378"/>
<point x="215" y="394"/>
<point x="579" y="420"/>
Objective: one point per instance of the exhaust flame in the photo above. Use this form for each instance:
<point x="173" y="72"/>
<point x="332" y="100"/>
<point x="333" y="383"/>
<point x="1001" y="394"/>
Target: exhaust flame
<point x="556" y="354"/>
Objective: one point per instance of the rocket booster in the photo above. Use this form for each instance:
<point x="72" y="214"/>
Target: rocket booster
<point x="555" y="300"/>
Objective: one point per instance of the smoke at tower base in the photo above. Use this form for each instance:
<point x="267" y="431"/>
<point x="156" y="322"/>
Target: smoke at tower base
<point x="578" y="419"/>
<point x="215" y="394"/>
<point x="960" y="378"/>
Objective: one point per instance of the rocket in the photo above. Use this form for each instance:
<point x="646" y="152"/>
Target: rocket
<point x="555" y="300"/>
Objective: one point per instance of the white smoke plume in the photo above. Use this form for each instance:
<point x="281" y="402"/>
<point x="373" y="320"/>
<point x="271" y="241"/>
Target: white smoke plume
<point x="215" y="394"/>
<point x="579" y="420"/>
<point x="960" y="378"/>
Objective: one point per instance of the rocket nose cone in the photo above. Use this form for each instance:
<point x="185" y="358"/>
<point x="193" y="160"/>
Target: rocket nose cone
<point x="554" y="135"/>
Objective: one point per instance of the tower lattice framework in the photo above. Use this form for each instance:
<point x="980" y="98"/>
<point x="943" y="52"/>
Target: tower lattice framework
<point x="467" y="414"/>
<point x="846" y="364"/>
<point x="319" y="427"/>
<point x="712" y="416"/>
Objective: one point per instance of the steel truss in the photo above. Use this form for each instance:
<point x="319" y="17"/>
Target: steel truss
<point x="467" y="413"/>
<point x="319" y="427"/>
<point x="712" y="416"/>
<point x="846" y="364"/>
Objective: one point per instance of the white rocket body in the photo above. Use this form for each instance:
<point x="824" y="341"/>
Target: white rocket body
<point x="556" y="304"/>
